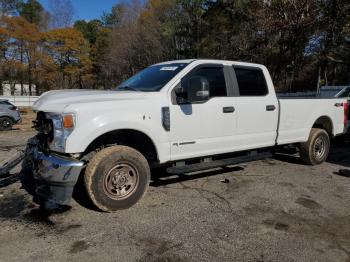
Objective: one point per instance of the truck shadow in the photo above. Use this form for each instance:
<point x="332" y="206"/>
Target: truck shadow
<point x="159" y="177"/>
<point x="292" y="159"/>
<point x="338" y="155"/>
<point x="81" y="196"/>
<point x="340" y="151"/>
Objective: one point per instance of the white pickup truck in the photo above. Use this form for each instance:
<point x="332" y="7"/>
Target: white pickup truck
<point x="187" y="115"/>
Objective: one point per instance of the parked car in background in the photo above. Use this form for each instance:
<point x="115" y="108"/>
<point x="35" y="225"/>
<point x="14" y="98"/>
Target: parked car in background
<point x="345" y="93"/>
<point x="9" y="115"/>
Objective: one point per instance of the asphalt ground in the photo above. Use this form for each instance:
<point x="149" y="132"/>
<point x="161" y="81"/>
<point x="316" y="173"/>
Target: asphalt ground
<point x="271" y="210"/>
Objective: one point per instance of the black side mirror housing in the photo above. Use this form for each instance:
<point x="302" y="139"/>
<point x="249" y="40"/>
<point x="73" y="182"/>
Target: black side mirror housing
<point x="181" y="95"/>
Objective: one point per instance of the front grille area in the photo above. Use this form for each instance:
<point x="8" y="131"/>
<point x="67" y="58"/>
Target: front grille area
<point x="44" y="126"/>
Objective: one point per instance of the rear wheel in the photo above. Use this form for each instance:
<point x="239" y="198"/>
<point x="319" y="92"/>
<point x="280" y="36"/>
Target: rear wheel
<point x="315" y="151"/>
<point x="6" y="123"/>
<point x="116" y="178"/>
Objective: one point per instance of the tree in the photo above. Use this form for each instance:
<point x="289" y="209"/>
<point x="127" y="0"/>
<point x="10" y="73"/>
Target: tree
<point x="90" y="29"/>
<point x="332" y="42"/>
<point x="32" y="11"/>
<point x="22" y="39"/>
<point x="229" y="31"/>
<point x="97" y="36"/>
<point x="114" y="17"/>
<point x="299" y="41"/>
<point x="3" y="48"/>
<point x="69" y="51"/>
<point x="287" y="27"/>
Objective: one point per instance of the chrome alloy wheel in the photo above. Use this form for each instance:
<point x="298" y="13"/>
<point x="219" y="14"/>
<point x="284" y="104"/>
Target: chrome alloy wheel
<point x="5" y="123"/>
<point x="320" y="146"/>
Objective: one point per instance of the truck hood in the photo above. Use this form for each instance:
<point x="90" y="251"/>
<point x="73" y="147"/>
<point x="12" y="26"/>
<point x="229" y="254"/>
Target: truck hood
<point x="57" y="101"/>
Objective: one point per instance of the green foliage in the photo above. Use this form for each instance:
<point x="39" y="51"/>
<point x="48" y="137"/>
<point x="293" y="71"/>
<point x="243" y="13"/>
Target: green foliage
<point x="90" y="29"/>
<point x="115" y="17"/>
<point x="32" y="10"/>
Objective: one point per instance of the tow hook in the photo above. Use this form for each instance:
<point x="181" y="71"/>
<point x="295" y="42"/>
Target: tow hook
<point x="5" y="177"/>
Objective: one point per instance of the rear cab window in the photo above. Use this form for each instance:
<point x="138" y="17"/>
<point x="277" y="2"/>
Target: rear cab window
<point x="251" y="81"/>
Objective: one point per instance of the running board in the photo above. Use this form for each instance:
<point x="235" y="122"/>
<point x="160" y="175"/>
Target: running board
<point x="217" y="163"/>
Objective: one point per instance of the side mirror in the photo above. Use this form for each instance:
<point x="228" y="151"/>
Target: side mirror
<point x="196" y="90"/>
<point x="181" y="95"/>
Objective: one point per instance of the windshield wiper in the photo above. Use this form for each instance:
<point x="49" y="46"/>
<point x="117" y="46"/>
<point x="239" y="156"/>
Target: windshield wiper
<point x="127" y="88"/>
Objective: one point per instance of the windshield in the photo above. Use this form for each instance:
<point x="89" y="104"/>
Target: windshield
<point x="152" y="78"/>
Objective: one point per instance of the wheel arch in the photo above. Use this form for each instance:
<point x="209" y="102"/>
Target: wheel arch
<point x="325" y="123"/>
<point x="128" y="137"/>
<point x="10" y="117"/>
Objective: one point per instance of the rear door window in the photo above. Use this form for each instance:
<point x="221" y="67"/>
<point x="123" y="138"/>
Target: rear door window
<point x="251" y="81"/>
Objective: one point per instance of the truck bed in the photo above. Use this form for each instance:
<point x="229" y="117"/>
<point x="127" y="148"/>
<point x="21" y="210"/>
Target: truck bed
<point x="298" y="115"/>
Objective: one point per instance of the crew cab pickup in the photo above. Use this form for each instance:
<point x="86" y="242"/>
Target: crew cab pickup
<point x="186" y="115"/>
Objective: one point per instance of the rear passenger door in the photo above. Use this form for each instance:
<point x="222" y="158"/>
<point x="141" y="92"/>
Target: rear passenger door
<point x="256" y="108"/>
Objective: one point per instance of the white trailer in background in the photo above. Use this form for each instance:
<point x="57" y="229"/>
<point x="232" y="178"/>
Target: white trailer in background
<point x="21" y="101"/>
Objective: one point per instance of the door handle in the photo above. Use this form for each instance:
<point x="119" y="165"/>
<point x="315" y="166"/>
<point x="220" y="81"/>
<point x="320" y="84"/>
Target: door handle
<point x="270" y="108"/>
<point x="228" y="109"/>
<point x="338" y="104"/>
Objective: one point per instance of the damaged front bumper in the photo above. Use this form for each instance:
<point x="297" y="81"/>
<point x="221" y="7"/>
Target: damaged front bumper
<point x="53" y="176"/>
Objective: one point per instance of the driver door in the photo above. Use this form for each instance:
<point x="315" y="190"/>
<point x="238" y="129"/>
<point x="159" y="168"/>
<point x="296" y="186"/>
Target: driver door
<point x="205" y="127"/>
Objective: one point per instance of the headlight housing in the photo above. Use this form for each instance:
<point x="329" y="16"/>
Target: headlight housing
<point x="62" y="126"/>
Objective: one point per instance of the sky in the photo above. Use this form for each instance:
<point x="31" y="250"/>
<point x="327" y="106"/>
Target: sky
<point x="87" y="9"/>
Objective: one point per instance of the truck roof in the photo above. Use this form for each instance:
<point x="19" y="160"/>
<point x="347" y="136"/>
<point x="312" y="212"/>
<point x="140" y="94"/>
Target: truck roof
<point x="228" y="62"/>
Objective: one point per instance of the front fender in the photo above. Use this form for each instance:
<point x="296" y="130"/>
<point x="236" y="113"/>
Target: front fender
<point x="86" y="133"/>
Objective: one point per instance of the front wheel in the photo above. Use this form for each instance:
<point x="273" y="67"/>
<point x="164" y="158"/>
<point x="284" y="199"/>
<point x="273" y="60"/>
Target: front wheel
<point x="315" y="151"/>
<point x="6" y="123"/>
<point x="116" y="178"/>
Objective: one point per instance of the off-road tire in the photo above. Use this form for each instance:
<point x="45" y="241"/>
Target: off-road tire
<point x="4" y="120"/>
<point x="310" y="152"/>
<point x="97" y="175"/>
